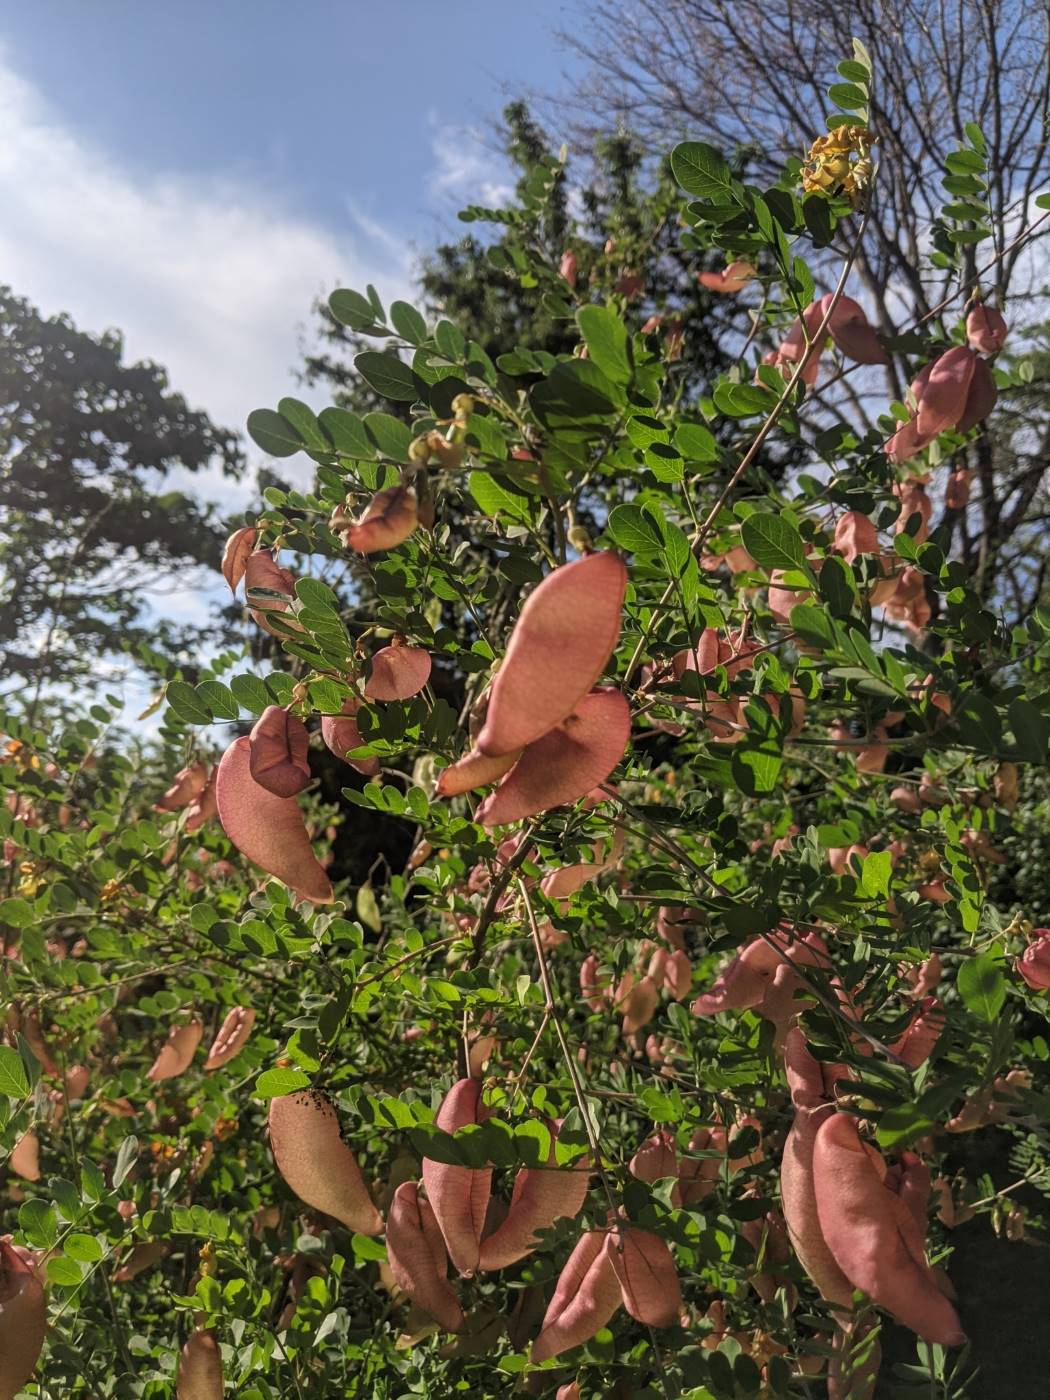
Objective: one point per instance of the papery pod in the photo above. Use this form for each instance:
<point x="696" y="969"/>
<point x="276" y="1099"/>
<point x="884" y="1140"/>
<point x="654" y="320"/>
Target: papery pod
<point x="648" y="1279"/>
<point x="277" y="753"/>
<point x="873" y="1236"/>
<point x="341" y="734"/>
<point x="855" y="535"/>
<point x="852" y="332"/>
<point x="177" y="1052"/>
<point x="146" y="1254"/>
<point x="656" y="1159"/>
<point x="460" y="1195"/>
<point x="387" y="521"/>
<point x="986" y="330"/>
<point x="917" y="1043"/>
<point x="267" y="829"/>
<point x="311" y="1155"/>
<point x="186" y="787"/>
<point x="23" y="1316"/>
<point x="397" y="672"/>
<point x="200" y="1368"/>
<point x="566" y="764"/>
<point x="585" y="1297"/>
<point x="416" y="1251"/>
<point x="560" y="645"/>
<point x="204" y="807"/>
<point x="541" y="1195"/>
<point x="233" y="1035"/>
<point x="24" y="1160"/>
<point x="236" y="553"/>
<point x="263" y="571"/>
<point x="475" y="769"/>
<point x="730" y="279"/>
<point x="638" y="1002"/>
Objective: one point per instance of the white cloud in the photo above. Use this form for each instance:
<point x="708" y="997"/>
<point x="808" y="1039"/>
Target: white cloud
<point x="212" y="278"/>
<point x="466" y="170"/>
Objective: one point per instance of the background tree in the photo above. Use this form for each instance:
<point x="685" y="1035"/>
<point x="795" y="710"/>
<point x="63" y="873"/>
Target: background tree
<point x="751" y="77"/>
<point x="88" y="528"/>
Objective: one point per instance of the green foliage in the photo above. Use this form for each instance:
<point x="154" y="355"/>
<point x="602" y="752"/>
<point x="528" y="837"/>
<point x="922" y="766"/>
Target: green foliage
<point x="800" y="759"/>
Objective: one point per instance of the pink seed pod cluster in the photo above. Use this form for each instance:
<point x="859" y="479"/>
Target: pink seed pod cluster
<point x="460" y="1195"/>
<point x="1034" y="963"/>
<point x="549" y="738"/>
<point x="956" y="390"/>
<point x="848" y="327"/>
<point x="418" y="1258"/>
<point x="262" y="571"/>
<point x="186" y="787"/>
<point x="621" y="1266"/>
<point x="311" y="1155"/>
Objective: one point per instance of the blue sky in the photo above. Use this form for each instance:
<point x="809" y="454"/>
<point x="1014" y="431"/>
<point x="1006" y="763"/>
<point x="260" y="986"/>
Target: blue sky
<point x="194" y="173"/>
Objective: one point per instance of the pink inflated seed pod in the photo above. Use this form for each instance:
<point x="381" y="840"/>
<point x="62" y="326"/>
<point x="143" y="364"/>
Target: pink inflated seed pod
<point x="986" y="330"/>
<point x="475" y="769"/>
<point x="398" y="672"/>
<point x="730" y="279"/>
<point x="387" y="521"/>
<point x="567" y="267"/>
<point x="186" y="787"/>
<point x="418" y="1261"/>
<point x="203" y="808"/>
<point x="277" y="752"/>
<point x="585" y="1297"/>
<point x="24" y="1160"/>
<point x="957" y="490"/>
<point x="460" y="1195"/>
<point x="646" y="1274"/>
<point x="23" y="1316"/>
<point x="1034" y="963"/>
<point x="566" y="763"/>
<point x="236" y="553"/>
<point x="262" y="571"/>
<point x="232" y="1037"/>
<point x="177" y="1051"/>
<point x="917" y="1043"/>
<point x="341" y="736"/>
<point x="638" y="1001"/>
<point x="200" y="1368"/>
<point x="311" y="1155"/>
<point x="560" y="645"/>
<point x="855" y="535"/>
<point x="852" y="332"/>
<point x="541" y="1195"/>
<point x="267" y="829"/>
<point x="873" y="1236"/>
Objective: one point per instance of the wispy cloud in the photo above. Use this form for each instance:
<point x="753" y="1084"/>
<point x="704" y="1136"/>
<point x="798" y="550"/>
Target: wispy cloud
<point x="212" y="278"/>
<point x="465" y="169"/>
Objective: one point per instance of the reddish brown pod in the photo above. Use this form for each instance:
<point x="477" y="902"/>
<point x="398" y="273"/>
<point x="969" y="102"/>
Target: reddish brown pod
<point x="730" y="279"/>
<point x="200" y="1368"/>
<point x="176" y="1054"/>
<point x="418" y="1261"/>
<point x="541" y="1195"/>
<point x="341" y="734"/>
<point x="186" y="787"/>
<point x="874" y="1236"/>
<point x="585" y="1297"/>
<point x="262" y="571"/>
<point x="460" y="1195"/>
<point x="203" y="807"/>
<point x="232" y="1037"/>
<point x="23" y="1314"/>
<point x="646" y="1273"/>
<point x="236" y="553"/>
<point x="277" y="752"/>
<point x="565" y="764"/>
<point x="267" y="829"/>
<point x="398" y="672"/>
<point x="560" y="645"/>
<point x="311" y="1155"/>
<point x="387" y="521"/>
<point x="956" y="390"/>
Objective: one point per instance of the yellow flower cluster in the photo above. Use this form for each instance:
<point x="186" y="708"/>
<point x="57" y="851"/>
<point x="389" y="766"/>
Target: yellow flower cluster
<point x="830" y="165"/>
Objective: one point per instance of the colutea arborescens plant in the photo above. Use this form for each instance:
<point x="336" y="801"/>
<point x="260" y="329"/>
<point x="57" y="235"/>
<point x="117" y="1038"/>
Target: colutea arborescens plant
<point x="648" y="1063"/>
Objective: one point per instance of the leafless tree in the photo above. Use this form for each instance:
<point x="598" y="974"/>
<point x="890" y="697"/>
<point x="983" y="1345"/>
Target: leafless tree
<point x="751" y="77"/>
